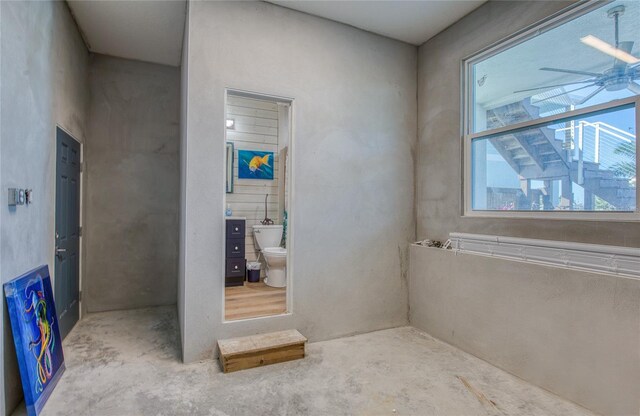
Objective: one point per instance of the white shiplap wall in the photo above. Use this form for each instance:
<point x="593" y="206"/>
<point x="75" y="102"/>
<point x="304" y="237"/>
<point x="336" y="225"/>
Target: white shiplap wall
<point x="256" y="128"/>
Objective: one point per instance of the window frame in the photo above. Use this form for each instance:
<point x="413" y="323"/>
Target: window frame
<point x="542" y="26"/>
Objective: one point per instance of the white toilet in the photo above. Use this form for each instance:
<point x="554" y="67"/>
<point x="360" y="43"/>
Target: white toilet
<point x="268" y="238"/>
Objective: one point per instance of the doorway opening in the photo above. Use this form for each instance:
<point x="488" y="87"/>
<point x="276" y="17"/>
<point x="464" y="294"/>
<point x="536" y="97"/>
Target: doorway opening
<point x="258" y="211"/>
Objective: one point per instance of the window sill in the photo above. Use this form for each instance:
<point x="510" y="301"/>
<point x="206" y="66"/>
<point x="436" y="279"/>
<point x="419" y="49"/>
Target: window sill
<point x="558" y="215"/>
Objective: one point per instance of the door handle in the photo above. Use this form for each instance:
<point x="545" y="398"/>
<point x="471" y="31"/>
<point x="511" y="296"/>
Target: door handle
<point x="59" y="251"/>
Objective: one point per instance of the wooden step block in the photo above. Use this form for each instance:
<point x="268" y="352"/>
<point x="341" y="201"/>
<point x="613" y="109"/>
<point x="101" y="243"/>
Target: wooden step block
<point x="258" y="350"/>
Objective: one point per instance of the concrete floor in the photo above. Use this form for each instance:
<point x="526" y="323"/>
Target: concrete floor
<point x="127" y="363"/>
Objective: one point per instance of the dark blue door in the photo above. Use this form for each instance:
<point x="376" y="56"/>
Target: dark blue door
<point x="67" y="250"/>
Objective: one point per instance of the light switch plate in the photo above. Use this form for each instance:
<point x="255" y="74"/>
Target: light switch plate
<point x="13" y="197"/>
<point x="17" y="197"/>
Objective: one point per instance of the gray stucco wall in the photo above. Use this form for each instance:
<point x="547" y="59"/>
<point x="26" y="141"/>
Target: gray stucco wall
<point x="132" y="185"/>
<point x="571" y="332"/>
<point x="44" y="82"/>
<point x="183" y="177"/>
<point x="355" y="131"/>
<point x="439" y="156"/>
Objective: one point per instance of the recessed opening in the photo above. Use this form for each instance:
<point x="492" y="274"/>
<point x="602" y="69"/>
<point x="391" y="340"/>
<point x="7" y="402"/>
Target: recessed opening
<point x="257" y="209"/>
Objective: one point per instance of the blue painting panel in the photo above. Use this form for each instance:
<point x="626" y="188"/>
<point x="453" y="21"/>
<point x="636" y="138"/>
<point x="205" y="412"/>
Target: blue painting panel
<point x="36" y="335"/>
<point x="254" y="164"/>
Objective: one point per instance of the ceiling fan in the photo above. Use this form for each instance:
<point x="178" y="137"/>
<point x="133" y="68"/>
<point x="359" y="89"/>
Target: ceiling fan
<point x="622" y="75"/>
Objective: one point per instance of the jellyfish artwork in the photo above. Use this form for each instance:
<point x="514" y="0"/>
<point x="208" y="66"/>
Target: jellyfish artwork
<point x="41" y="343"/>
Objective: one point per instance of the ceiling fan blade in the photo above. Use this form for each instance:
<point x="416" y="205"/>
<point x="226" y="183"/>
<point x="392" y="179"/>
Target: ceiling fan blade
<point x="634" y="87"/>
<point x="571" y="71"/>
<point x="556" y="85"/>
<point x="565" y="93"/>
<point x="590" y="96"/>
<point x="626" y="47"/>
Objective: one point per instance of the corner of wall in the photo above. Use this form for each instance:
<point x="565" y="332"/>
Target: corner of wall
<point x="184" y="89"/>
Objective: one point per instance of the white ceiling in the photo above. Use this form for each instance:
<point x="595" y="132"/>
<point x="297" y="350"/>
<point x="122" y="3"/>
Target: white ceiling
<point x="413" y="22"/>
<point x="152" y="30"/>
<point x="148" y="31"/>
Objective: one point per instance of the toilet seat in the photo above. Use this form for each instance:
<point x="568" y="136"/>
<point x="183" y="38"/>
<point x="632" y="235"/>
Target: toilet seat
<point x="275" y="251"/>
<point x="268" y="238"/>
<point x="276" y="258"/>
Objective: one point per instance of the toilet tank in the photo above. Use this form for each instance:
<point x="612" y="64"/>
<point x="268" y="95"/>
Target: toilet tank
<point x="267" y="235"/>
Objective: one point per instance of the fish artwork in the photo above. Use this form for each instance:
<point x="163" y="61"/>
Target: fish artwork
<point x="255" y="165"/>
<point x="258" y="161"/>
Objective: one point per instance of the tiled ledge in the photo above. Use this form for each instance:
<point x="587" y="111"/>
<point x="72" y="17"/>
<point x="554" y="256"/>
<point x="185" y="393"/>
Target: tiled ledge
<point x="620" y="261"/>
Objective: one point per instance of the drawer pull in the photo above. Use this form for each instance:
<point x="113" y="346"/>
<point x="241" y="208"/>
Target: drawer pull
<point x="236" y="267"/>
<point x="236" y="228"/>
<point x="236" y="247"/>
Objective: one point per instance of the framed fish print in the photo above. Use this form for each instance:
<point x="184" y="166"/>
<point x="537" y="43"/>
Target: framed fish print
<point x="254" y="164"/>
<point x="36" y="335"/>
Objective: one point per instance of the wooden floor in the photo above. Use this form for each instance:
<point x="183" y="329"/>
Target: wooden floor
<point x="253" y="300"/>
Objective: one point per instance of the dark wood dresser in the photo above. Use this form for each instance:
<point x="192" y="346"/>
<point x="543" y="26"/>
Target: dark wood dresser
<point x="235" y="262"/>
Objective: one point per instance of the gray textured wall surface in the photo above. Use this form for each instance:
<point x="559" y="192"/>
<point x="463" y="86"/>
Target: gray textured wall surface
<point x="574" y="333"/>
<point x="182" y="255"/>
<point x="132" y="185"/>
<point x="355" y="131"/>
<point x="44" y="82"/>
<point x="439" y="156"/>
